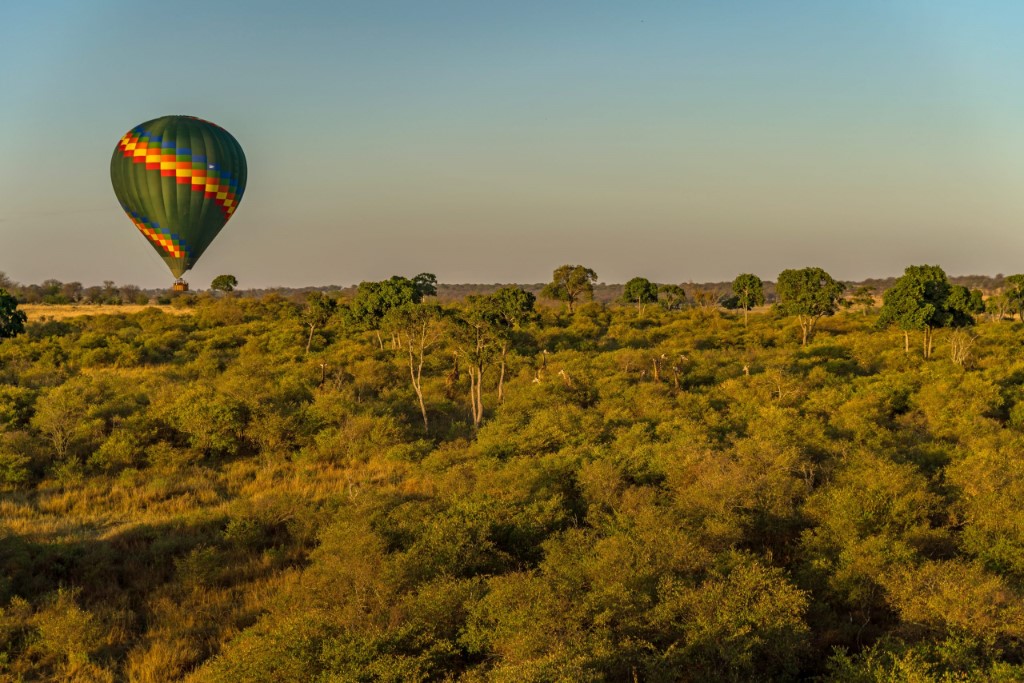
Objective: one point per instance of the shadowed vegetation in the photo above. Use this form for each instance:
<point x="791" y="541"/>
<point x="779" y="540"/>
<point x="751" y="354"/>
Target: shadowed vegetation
<point x="385" y="488"/>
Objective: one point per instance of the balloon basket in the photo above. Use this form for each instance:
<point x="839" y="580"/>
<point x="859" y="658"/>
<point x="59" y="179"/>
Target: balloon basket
<point x="180" y="286"/>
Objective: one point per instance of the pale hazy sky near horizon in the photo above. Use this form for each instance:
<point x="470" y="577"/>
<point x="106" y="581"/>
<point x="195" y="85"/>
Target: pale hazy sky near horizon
<point x="491" y="142"/>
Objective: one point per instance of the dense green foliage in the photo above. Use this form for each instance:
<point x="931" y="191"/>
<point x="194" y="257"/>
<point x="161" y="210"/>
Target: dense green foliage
<point x="570" y="284"/>
<point x="749" y="292"/>
<point x="640" y="291"/>
<point x="672" y="297"/>
<point x="810" y="294"/>
<point x="224" y="283"/>
<point x="924" y="299"/>
<point x="669" y="497"/>
<point x="12" y="321"/>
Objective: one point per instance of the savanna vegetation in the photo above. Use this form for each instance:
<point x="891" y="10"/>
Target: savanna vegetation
<point x="384" y="487"/>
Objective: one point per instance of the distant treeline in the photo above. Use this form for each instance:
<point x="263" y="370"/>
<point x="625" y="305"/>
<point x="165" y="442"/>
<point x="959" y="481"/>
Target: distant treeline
<point x="56" y="292"/>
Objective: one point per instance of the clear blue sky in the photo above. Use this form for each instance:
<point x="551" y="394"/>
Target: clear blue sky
<point x="492" y="142"/>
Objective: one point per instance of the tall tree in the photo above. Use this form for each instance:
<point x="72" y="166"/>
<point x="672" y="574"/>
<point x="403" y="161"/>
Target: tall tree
<point x="474" y="334"/>
<point x="641" y="291"/>
<point x="224" y="283"/>
<point x="809" y="294"/>
<point x="486" y="327"/>
<point x="12" y="321"/>
<point x="923" y="299"/>
<point x="419" y="326"/>
<point x="749" y="291"/>
<point x="318" y="311"/>
<point x="510" y="309"/>
<point x="570" y="284"/>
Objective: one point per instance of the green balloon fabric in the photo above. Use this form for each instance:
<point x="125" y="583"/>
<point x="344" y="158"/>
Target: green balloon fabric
<point x="179" y="179"/>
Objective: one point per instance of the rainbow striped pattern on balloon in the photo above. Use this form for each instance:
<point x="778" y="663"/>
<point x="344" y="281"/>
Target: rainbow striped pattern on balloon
<point x="168" y="241"/>
<point x="179" y="163"/>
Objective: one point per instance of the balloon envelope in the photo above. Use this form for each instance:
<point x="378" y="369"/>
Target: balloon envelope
<point x="179" y="179"/>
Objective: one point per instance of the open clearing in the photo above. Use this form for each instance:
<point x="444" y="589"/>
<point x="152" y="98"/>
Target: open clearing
<point x="39" y="312"/>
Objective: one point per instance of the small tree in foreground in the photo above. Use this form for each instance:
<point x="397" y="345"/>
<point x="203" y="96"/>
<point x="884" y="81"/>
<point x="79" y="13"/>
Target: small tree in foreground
<point x="749" y="291"/>
<point x="642" y="291"/>
<point x="809" y="294"/>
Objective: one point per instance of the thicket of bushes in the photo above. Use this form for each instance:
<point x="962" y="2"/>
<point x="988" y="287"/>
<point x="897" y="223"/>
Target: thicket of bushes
<point x="672" y="496"/>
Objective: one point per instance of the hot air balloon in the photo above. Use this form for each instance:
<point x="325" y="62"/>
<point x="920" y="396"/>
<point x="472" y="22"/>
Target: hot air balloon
<point x="179" y="179"/>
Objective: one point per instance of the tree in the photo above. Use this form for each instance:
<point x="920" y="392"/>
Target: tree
<point x="671" y="297"/>
<point x="419" y="326"/>
<point x="642" y="291"/>
<point x="71" y="291"/>
<point x="485" y="327"/>
<point x="809" y="294"/>
<point x="1014" y="291"/>
<point x="977" y="302"/>
<point x="109" y="293"/>
<point x="706" y="299"/>
<point x="569" y="284"/>
<point x="224" y="283"/>
<point x="998" y="306"/>
<point x="425" y="285"/>
<point x="963" y="304"/>
<point x="474" y="337"/>
<point x="319" y="309"/>
<point x="864" y="296"/>
<point x="510" y="309"/>
<point x="12" y="321"/>
<point x="749" y="291"/>
<point x="373" y="300"/>
<point x="923" y="299"/>
<point x="132" y="294"/>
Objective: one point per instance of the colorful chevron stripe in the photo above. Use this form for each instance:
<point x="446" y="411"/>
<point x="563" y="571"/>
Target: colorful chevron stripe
<point x="166" y="240"/>
<point x="161" y="155"/>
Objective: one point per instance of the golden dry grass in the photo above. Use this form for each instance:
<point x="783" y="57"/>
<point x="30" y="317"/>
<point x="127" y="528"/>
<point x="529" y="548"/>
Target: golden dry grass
<point x="40" y="312"/>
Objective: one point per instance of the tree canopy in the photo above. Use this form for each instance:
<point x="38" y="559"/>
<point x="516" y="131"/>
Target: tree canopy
<point x="671" y="297"/>
<point x="749" y="291"/>
<point x="570" y="284"/>
<point x="809" y="294"/>
<point x="640" y="291"/>
<point x="224" y="283"/>
<point x="923" y="299"/>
